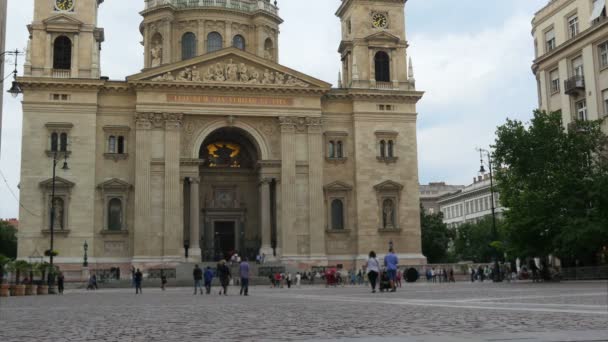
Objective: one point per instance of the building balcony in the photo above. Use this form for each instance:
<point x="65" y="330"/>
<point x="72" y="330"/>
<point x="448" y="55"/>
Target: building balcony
<point x="237" y="5"/>
<point x="61" y="73"/>
<point x="574" y="85"/>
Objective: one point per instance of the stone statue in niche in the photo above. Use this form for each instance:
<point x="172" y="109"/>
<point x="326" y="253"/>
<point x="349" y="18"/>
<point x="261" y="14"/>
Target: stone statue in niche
<point x="231" y="72"/>
<point x="388" y="211"/>
<point x="59" y="210"/>
<point x="157" y="54"/>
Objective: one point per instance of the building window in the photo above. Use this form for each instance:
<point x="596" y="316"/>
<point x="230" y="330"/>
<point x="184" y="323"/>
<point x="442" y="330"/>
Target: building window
<point x="603" y="55"/>
<point x="339" y="150"/>
<point x="337" y="215"/>
<point x="332" y="149"/>
<point x="238" y="42"/>
<point x="550" y="40"/>
<point x="63" y="142"/>
<point x="188" y="45"/>
<point x="62" y="53"/>
<point x="577" y="67"/>
<point x="572" y="26"/>
<point x="115" y="214"/>
<point x="382" y="66"/>
<point x="112" y="144"/>
<point x="269" y="49"/>
<point x="121" y="145"/>
<point x="335" y="146"/>
<point x="386" y="141"/>
<point x="599" y="11"/>
<point x="116" y="142"/>
<point x="214" y="42"/>
<point x="581" y="110"/>
<point x="605" y="98"/>
<point x="382" y="149"/>
<point x="390" y="153"/>
<point x="54" y="142"/>
<point x="554" y="75"/>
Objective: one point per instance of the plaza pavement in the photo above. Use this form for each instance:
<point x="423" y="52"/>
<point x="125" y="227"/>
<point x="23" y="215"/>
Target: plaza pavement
<point x="418" y="312"/>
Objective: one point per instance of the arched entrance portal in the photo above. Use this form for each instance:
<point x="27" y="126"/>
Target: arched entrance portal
<point x="229" y="194"/>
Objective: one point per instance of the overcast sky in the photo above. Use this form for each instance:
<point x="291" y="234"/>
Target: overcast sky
<point x="471" y="57"/>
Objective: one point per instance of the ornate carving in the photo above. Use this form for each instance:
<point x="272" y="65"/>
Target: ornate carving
<point x="315" y="125"/>
<point x="157" y="120"/>
<point x="156" y="51"/>
<point x="301" y="124"/>
<point x="231" y="72"/>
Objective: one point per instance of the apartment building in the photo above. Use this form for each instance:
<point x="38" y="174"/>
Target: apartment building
<point x="431" y="193"/>
<point x="571" y="62"/>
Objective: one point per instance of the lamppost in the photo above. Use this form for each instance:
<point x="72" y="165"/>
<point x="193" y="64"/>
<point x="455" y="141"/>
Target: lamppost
<point x="15" y="88"/>
<point x="496" y="273"/>
<point x="65" y="168"/>
<point x="85" y="263"/>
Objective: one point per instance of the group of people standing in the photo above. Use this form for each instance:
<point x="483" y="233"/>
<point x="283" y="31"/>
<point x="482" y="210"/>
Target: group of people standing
<point x="440" y="275"/>
<point x="386" y="273"/>
<point x="224" y="275"/>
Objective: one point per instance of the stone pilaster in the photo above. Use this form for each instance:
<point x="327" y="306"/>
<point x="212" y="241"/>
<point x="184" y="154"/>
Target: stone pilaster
<point x="141" y="231"/>
<point x="173" y="241"/>
<point x="286" y="231"/>
<point x="265" y="218"/>
<point x="315" y="188"/>
<point x="195" y="250"/>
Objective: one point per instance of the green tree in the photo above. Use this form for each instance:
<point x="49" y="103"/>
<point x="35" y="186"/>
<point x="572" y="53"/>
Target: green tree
<point x="551" y="181"/>
<point x="475" y="241"/>
<point x="436" y="237"/>
<point x="8" y="240"/>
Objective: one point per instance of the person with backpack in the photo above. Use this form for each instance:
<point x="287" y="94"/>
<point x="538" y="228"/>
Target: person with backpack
<point x="197" y="274"/>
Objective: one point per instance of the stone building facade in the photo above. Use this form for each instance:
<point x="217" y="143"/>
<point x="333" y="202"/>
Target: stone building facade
<point x="571" y="65"/>
<point x="431" y="193"/>
<point x="215" y="147"/>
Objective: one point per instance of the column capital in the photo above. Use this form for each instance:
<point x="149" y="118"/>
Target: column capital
<point x="315" y="125"/>
<point x="142" y="121"/>
<point x="265" y="181"/>
<point x="194" y="180"/>
<point x="288" y="124"/>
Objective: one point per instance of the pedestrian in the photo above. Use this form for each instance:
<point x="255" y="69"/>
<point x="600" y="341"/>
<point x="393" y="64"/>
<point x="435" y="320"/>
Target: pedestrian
<point x="398" y="279"/>
<point x="263" y="258"/>
<point x="197" y="274"/>
<point x="472" y="274"/>
<point x="138" y="279"/>
<point x="132" y="276"/>
<point x="92" y="283"/>
<point x="298" y="279"/>
<point x="223" y="273"/>
<point x="163" y="280"/>
<point x="258" y="259"/>
<point x="244" y="270"/>
<point x="391" y="262"/>
<point x="271" y="278"/>
<point x="60" y="282"/>
<point x="288" y="280"/>
<point x="373" y="268"/>
<point x="208" y="279"/>
<point x="277" y="280"/>
<point x="452" y="279"/>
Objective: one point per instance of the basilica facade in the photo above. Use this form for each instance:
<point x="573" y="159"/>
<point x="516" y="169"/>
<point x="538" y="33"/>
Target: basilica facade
<point x="214" y="146"/>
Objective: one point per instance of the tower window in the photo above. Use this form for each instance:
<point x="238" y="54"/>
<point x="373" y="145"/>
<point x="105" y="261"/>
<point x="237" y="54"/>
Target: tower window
<point x="268" y="49"/>
<point x="214" y="42"/>
<point x="62" y="53"/>
<point x="337" y="215"/>
<point x="188" y="45"/>
<point x="238" y="42"/>
<point x="382" y="64"/>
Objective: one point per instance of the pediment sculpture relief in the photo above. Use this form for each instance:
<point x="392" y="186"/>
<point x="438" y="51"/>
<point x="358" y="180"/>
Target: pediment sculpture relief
<point x="231" y="72"/>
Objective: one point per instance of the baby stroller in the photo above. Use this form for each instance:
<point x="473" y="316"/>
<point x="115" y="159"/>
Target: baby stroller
<point x="384" y="284"/>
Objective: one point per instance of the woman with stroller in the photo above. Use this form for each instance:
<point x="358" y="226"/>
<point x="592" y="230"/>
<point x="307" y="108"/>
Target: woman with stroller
<point x="373" y="269"/>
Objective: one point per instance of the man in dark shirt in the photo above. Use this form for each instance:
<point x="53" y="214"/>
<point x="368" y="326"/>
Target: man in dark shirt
<point x="138" y="279"/>
<point x="198" y="278"/>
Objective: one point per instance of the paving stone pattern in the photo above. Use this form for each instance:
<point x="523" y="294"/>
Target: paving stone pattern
<point x="308" y="313"/>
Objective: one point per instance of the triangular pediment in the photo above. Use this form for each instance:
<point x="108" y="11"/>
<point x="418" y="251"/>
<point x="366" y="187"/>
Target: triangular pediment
<point x="114" y="183"/>
<point x="229" y="66"/>
<point x="383" y="36"/>
<point x="388" y="186"/>
<point x="62" y="21"/>
<point x="59" y="183"/>
<point x="338" y="186"/>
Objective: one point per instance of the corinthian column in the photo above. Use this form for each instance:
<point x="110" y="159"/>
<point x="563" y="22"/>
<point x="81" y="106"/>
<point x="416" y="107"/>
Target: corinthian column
<point x="141" y="232"/>
<point x="195" y="250"/>
<point x="315" y="188"/>
<point x="287" y="233"/>
<point x="173" y="224"/>
<point x="265" y="218"/>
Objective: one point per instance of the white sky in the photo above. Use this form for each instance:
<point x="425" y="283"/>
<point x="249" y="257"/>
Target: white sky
<point x="471" y="57"/>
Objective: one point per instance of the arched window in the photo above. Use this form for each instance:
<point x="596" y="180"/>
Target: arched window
<point x="340" y="152"/>
<point x="382" y="148"/>
<point x="63" y="142"/>
<point x="62" y="53"/>
<point x="115" y="214"/>
<point x="382" y="67"/>
<point x="238" y="42"/>
<point x="214" y="42"/>
<point x="332" y="149"/>
<point x="390" y="149"/>
<point x="188" y="45"/>
<point x="269" y="49"/>
<point x="54" y="142"/>
<point x="112" y="144"/>
<point x="121" y="144"/>
<point x="337" y="214"/>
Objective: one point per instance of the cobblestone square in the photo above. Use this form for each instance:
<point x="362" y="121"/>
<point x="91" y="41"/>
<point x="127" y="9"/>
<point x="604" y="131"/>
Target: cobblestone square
<point x="419" y="312"/>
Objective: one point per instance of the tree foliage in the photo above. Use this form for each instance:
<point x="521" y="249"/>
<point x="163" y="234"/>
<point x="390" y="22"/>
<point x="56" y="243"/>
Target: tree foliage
<point x="435" y="237"/>
<point x="475" y="241"/>
<point x="554" y="183"/>
<point x="8" y="240"/>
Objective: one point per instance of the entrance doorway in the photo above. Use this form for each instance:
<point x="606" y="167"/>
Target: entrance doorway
<point x="225" y="238"/>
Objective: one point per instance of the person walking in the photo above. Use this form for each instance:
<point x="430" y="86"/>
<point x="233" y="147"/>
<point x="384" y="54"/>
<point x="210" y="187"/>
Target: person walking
<point x="60" y="282"/>
<point x="391" y="262"/>
<point x="197" y="274"/>
<point x="208" y="279"/>
<point x="298" y="279"/>
<point x="373" y="269"/>
<point x="163" y="280"/>
<point x="138" y="279"/>
<point x="223" y="273"/>
<point x="288" y="280"/>
<point x="398" y="279"/>
<point x="244" y="270"/>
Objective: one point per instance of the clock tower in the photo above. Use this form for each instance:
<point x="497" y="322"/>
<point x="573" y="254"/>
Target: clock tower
<point x="373" y="47"/>
<point x="65" y="41"/>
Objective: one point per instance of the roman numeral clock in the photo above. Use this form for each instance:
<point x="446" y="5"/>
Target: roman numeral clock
<point x="64" y="5"/>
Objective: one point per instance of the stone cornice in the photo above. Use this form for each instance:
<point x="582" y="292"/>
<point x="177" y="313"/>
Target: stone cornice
<point x="59" y="83"/>
<point x="374" y="94"/>
<point x="346" y="3"/>
<point x="146" y="85"/>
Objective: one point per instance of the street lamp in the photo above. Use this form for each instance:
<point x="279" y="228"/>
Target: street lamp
<point x="16" y="88"/>
<point x="482" y="170"/>
<point x="65" y="168"/>
<point x="85" y="263"/>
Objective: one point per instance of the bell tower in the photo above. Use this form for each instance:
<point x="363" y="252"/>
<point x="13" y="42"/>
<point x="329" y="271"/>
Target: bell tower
<point x="373" y="47"/>
<point x="65" y="41"/>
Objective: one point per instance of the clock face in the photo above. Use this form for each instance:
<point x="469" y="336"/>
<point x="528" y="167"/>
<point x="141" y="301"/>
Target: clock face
<point x="379" y="20"/>
<point x="64" y="5"/>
